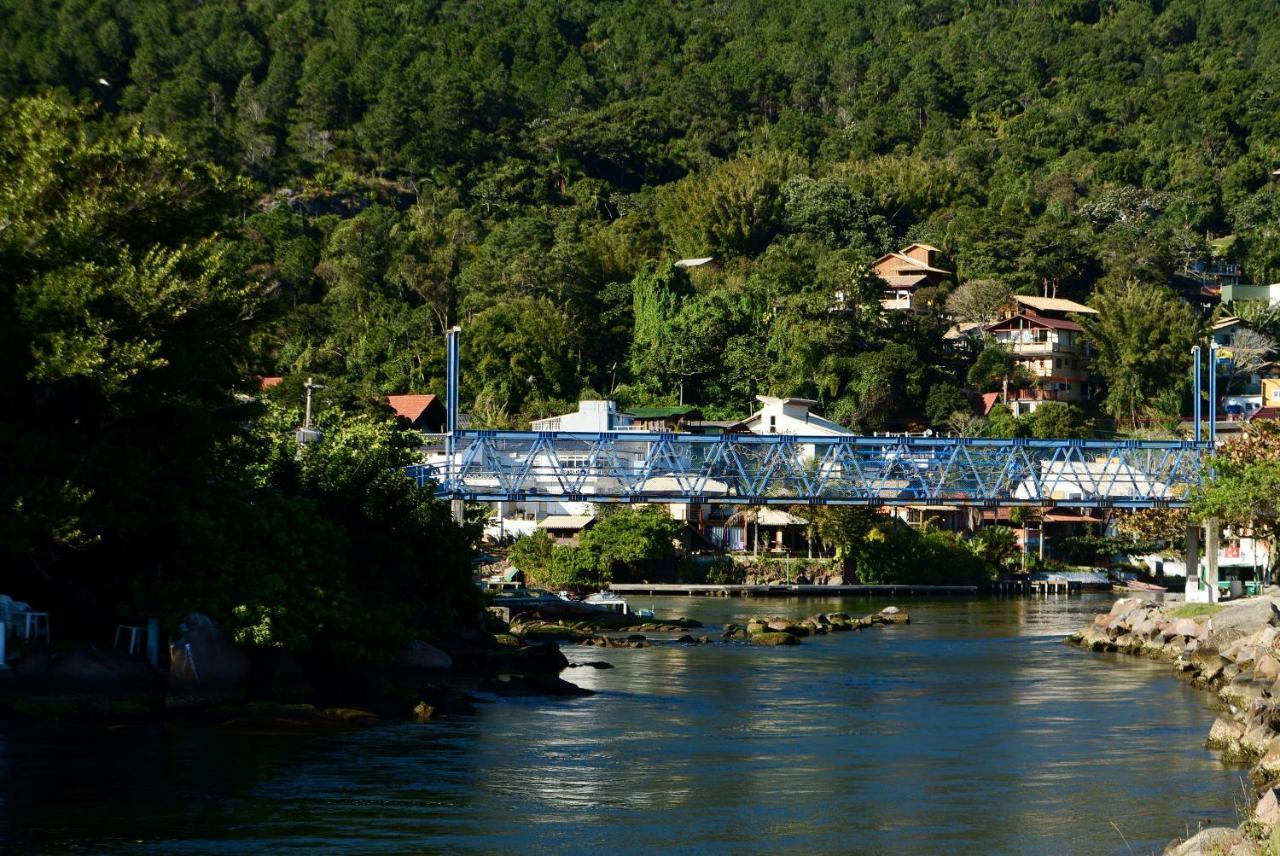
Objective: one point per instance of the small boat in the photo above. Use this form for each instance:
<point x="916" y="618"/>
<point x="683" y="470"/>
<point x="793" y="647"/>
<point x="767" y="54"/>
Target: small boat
<point x="616" y="603"/>
<point x="1139" y="585"/>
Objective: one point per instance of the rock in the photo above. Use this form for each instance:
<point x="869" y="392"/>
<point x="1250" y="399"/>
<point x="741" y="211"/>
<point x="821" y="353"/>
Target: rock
<point x="1255" y="741"/>
<point x="1246" y="616"/>
<point x="1266" y="668"/>
<point x="518" y="685"/>
<point x="1126" y="604"/>
<point x="1208" y="663"/>
<point x="775" y="638"/>
<point x="205" y="666"/>
<point x="592" y="664"/>
<point x="1267" y="811"/>
<point x="1268" y="767"/>
<point x="890" y="610"/>
<point x="1225" y="734"/>
<point x="352" y="715"/>
<point x="686" y="640"/>
<point x="421" y="655"/>
<point x="756" y="625"/>
<point x="897" y="616"/>
<point x="1214" y="841"/>
<point x="423" y="712"/>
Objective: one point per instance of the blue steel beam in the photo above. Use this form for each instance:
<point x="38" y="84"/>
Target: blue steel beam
<point x="749" y="469"/>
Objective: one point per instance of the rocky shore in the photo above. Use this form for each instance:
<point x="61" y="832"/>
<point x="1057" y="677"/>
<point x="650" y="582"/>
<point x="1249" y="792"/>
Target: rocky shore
<point x="1232" y="650"/>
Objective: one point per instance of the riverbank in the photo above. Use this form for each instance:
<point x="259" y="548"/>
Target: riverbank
<point x="1233" y="651"/>
<point x="787" y="589"/>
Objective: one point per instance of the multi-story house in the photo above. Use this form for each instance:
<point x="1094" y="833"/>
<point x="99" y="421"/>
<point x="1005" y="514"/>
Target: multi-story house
<point x="1049" y="345"/>
<point x="906" y="272"/>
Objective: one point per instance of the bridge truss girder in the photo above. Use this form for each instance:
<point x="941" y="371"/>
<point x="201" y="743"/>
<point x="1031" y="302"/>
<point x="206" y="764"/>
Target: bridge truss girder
<point x="749" y="469"/>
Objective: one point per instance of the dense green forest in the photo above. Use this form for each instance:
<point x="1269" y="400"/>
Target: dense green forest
<point x="203" y="193"/>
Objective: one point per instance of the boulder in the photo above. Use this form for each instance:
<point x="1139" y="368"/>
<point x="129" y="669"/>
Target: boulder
<point x="756" y="625"/>
<point x="1256" y="740"/>
<point x="1126" y="604"/>
<point x="1266" y="668"/>
<point x="205" y="667"/>
<point x="897" y="616"/>
<point x="421" y="655"/>
<point x="1246" y="616"/>
<point x="1267" y="811"/>
<point x="352" y="715"/>
<point x="890" y="610"/>
<point x="775" y="638"/>
<point x="1218" y="840"/>
<point x="1268" y="767"/>
<point x="1225" y="734"/>
<point x="98" y="669"/>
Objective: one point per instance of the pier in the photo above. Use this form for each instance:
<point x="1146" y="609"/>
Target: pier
<point x="785" y="590"/>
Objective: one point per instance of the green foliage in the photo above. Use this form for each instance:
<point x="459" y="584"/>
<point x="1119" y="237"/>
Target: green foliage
<point x="1245" y="484"/>
<point x="627" y="540"/>
<point x="1142" y="338"/>
<point x="1057" y="420"/>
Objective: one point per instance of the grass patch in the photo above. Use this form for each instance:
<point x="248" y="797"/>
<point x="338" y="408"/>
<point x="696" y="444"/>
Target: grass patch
<point x="1195" y="610"/>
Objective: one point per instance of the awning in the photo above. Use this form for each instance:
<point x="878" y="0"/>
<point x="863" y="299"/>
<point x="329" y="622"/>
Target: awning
<point x="778" y="517"/>
<point x="565" y="521"/>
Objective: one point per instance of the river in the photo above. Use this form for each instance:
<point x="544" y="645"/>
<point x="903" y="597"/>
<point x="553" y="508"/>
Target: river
<point x="971" y="730"/>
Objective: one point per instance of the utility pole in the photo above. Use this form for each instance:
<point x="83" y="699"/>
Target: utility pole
<point x="310" y="386"/>
<point x="308" y="434"/>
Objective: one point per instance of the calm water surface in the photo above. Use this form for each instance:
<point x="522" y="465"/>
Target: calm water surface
<point x="972" y="730"/>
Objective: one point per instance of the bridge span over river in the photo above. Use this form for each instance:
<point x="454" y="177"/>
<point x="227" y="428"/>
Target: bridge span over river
<point x="783" y="469"/>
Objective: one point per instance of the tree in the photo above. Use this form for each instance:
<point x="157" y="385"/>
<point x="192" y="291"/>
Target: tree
<point x="628" y="540"/>
<point x="1250" y="350"/>
<point x="735" y="208"/>
<point x="945" y="400"/>
<point x="1141" y="338"/>
<point x="997" y="366"/>
<point x="1244" y="486"/>
<point x="1058" y="420"/>
<point x="978" y="300"/>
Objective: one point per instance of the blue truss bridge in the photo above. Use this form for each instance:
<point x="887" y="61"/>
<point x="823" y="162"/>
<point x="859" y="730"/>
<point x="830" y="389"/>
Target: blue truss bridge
<point x="834" y="469"/>
<point x="750" y="469"/>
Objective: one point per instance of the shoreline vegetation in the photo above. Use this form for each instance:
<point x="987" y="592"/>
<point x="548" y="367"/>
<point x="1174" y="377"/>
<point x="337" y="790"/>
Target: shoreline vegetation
<point x="214" y="680"/>
<point x="1233" y="651"/>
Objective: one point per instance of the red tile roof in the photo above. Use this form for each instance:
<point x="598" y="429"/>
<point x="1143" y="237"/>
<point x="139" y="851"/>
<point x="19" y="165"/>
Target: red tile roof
<point x="1054" y="323"/>
<point x="269" y="382"/>
<point x="989" y="400"/>
<point x="410" y="406"/>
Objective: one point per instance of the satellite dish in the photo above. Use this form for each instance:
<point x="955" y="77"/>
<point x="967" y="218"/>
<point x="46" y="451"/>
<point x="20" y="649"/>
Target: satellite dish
<point x="928" y="432"/>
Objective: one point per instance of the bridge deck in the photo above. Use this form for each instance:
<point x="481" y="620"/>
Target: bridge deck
<point x="749" y="469"/>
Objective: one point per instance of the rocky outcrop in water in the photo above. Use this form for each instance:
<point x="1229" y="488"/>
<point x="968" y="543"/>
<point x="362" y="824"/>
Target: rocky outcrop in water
<point x="760" y="631"/>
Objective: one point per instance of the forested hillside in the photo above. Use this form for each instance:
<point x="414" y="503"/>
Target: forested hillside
<point x="196" y="194"/>
<point x="530" y="170"/>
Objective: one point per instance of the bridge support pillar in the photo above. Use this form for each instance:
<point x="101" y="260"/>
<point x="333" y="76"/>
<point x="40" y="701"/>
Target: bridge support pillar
<point x="1194" y="593"/>
<point x="1211" y="530"/>
<point x="459" y="511"/>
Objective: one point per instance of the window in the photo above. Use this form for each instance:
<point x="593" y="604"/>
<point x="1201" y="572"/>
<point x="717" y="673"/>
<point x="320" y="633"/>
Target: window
<point x="773" y="425"/>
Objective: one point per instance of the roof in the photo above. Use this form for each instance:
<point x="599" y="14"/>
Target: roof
<point x="912" y="264"/>
<point x="662" y="412"/>
<point x="411" y="407"/>
<point x="566" y="521"/>
<point x="1230" y="321"/>
<point x="1266" y="413"/>
<point x="1067" y="517"/>
<point x="1054" y="304"/>
<point x="961" y="329"/>
<point x="989" y="400"/>
<point x="1052" y="323"/>
<point x="903" y="281"/>
<point x="269" y="382"/>
<point x="777" y="517"/>
<point x="688" y="263"/>
<point x="921" y="246"/>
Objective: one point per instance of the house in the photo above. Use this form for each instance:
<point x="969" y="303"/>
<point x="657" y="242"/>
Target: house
<point x="664" y="419"/>
<point x="1269" y="294"/>
<point x="1049" y="345"/>
<point x="906" y="272"/>
<point x="565" y="528"/>
<point x="789" y="416"/>
<point x="425" y="413"/>
<point x="593" y="417"/>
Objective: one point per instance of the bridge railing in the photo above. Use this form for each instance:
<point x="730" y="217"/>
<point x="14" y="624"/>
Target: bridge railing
<point x="749" y="469"/>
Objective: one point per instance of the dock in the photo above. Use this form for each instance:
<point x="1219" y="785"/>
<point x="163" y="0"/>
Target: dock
<point x="1039" y="587"/>
<point x="786" y="590"/>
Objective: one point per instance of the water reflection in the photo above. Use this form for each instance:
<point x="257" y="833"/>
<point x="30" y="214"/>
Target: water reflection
<point x="972" y="729"/>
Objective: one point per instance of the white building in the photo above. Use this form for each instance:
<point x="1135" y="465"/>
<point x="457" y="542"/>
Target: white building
<point x="592" y="417"/>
